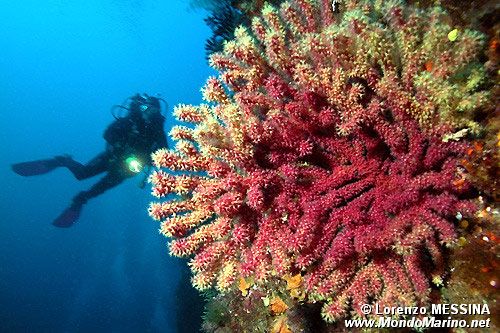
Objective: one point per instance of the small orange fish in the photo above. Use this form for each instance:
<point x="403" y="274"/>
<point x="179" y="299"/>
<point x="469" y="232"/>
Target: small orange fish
<point x="478" y="146"/>
<point x="459" y="183"/>
<point x="467" y="165"/>
<point x="485" y="269"/>
<point x="428" y="66"/>
<point x="494" y="44"/>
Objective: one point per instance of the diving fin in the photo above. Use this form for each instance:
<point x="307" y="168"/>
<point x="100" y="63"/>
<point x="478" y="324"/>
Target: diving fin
<point x="35" y="168"/>
<point x="68" y="217"/>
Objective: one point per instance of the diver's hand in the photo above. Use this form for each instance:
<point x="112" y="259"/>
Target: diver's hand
<point x="144" y="179"/>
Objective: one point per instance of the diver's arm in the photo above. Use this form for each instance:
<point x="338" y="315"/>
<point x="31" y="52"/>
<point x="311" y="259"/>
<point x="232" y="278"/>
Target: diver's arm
<point x="145" y="176"/>
<point x="161" y="141"/>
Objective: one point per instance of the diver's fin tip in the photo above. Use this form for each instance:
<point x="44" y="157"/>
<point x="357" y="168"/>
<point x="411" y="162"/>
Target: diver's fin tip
<point x="68" y="217"/>
<point x="34" y="168"/>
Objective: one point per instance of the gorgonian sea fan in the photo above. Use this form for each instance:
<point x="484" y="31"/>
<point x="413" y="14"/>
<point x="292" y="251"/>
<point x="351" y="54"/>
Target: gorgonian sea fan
<point x="321" y="151"/>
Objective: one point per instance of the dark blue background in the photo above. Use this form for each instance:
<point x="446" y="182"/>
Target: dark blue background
<point x="62" y="65"/>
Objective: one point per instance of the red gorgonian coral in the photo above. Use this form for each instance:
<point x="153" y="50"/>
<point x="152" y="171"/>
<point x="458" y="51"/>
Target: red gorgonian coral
<point x="318" y="162"/>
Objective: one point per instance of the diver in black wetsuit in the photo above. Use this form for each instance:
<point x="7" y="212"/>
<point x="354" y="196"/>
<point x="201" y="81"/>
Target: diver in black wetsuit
<point x="130" y="142"/>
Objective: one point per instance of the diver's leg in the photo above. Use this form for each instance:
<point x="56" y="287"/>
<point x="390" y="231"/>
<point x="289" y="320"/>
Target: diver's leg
<point x="72" y="213"/>
<point x="40" y="167"/>
<point x="109" y="181"/>
<point x="97" y="165"/>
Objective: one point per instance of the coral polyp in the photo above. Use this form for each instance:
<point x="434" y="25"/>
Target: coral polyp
<point x="329" y="147"/>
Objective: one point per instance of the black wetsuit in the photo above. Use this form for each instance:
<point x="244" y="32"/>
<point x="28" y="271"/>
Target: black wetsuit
<point x="125" y="137"/>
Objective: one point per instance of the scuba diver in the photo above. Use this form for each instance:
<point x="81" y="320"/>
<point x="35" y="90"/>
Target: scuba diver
<point x="130" y="140"/>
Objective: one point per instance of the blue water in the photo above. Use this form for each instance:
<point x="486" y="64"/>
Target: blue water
<point x="63" y="64"/>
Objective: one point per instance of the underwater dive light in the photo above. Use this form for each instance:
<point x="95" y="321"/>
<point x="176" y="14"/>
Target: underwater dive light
<point x="133" y="164"/>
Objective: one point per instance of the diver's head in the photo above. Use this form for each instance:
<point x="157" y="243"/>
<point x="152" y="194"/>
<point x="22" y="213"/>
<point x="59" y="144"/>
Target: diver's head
<point x="136" y="102"/>
<point x="151" y="108"/>
<point x="154" y="103"/>
<point x="144" y="105"/>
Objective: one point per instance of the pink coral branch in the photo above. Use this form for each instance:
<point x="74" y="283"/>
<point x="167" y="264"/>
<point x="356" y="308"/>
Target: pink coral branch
<point x="318" y="153"/>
